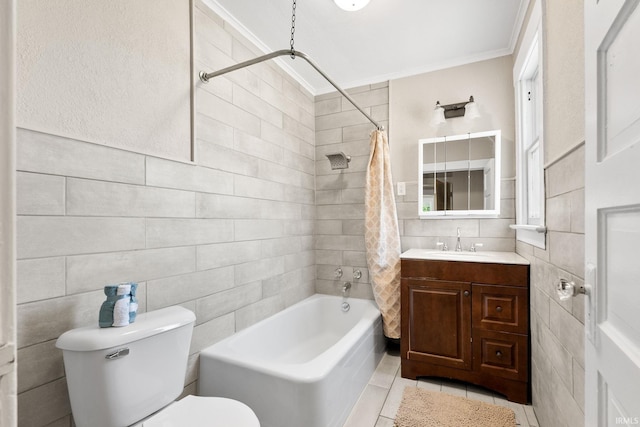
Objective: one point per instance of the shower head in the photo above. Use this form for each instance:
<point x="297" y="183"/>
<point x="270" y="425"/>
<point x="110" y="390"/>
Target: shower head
<point x="339" y="160"/>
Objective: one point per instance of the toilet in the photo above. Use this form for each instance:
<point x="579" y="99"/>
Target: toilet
<point x="131" y="376"/>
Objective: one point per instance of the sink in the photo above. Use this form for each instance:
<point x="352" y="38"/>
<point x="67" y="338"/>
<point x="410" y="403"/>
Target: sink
<point x="466" y="256"/>
<point x="452" y="255"/>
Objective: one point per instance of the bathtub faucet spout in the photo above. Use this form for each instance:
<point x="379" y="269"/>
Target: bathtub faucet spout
<point x="346" y="287"/>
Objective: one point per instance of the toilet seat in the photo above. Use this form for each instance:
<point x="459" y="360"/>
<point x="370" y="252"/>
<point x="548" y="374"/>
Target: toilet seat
<point x="199" y="411"/>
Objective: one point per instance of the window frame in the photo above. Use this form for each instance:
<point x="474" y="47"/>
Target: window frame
<point x="528" y="78"/>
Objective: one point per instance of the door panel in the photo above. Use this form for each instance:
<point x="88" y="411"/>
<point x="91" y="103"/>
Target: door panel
<point x="619" y="82"/>
<point x="621" y="234"/>
<point x="612" y="212"/>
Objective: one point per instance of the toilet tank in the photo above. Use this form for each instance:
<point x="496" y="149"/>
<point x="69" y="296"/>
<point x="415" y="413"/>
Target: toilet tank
<point x="117" y="376"/>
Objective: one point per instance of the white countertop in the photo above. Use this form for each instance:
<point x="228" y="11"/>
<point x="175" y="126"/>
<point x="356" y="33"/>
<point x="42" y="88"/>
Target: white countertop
<point x="480" y="256"/>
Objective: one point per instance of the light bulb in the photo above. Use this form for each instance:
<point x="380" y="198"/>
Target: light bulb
<point x="438" y="116"/>
<point x="351" y="5"/>
<point x="471" y="110"/>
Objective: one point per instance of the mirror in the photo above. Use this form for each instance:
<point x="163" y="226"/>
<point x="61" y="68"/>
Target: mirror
<point x="459" y="175"/>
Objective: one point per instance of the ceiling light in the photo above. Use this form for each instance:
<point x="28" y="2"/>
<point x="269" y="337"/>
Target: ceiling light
<point x="351" y="5"/>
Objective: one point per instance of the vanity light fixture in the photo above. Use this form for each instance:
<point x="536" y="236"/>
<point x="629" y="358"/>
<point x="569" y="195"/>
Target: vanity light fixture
<point x="443" y="112"/>
<point x="351" y="5"/>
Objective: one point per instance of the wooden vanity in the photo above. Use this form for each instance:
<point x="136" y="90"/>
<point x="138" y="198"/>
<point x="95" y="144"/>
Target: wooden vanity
<point x="466" y="316"/>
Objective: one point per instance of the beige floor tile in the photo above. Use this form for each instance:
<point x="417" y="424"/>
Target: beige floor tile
<point x="454" y="388"/>
<point x="531" y="416"/>
<point x="394" y="397"/>
<point x="386" y="371"/>
<point x="379" y="402"/>
<point x="521" y="417"/>
<point x="432" y="384"/>
<point x="384" y="422"/>
<point x="366" y="410"/>
<point x="480" y="394"/>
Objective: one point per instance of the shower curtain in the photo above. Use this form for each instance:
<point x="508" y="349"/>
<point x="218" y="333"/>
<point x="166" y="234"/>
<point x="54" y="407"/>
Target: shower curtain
<point x="382" y="238"/>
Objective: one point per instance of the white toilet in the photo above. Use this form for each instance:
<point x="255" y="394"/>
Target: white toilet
<point x="118" y="377"/>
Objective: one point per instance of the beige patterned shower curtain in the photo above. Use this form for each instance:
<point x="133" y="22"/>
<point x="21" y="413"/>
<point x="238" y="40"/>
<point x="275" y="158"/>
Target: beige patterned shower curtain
<point x="382" y="238"/>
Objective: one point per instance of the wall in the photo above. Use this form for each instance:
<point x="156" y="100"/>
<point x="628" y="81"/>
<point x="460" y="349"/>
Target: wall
<point x="556" y="327"/>
<point x="126" y="83"/>
<point x="340" y="193"/>
<point x="411" y="103"/>
<point x="412" y="100"/>
<point x="8" y="387"/>
<point x="557" y="331"/>
<point x="229" y="237"/>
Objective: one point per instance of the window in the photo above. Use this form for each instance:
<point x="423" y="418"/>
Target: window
<point x="530" y="195"/>
<point x="530" y="149"/>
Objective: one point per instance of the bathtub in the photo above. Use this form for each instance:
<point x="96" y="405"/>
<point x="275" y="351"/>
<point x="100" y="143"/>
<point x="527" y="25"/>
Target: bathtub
<point x="302" y="367"/>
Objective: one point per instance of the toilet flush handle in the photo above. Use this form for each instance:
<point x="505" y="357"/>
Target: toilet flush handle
<point x="121" y="352"/>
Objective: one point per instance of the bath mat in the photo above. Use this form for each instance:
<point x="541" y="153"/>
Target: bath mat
<point x="424" y="408"/>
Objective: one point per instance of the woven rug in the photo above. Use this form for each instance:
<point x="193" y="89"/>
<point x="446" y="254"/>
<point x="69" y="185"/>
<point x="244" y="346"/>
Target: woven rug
<point x="424" y="408"/>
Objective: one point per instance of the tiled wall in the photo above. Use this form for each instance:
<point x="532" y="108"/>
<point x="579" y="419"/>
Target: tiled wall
<point x="340" y="193"/>
<point x="229" y="237"/>
<point x="8" y="365"/>
<point x="557" y="327"/>
<point x="340" y="197"/>
<point x="493" y="233"/>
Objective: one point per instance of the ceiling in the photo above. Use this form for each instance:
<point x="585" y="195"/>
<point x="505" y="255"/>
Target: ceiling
<point x="388" y="39"/>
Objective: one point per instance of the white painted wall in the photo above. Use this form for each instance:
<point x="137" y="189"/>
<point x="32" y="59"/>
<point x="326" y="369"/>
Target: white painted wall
<point x="564" y="92"/>
<point x="412" y="100"/>
<point x="8" y="403"/>
<point x="115" y="73"/>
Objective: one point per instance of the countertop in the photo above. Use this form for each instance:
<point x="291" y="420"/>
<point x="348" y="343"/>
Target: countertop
<point x="480" y="256"/>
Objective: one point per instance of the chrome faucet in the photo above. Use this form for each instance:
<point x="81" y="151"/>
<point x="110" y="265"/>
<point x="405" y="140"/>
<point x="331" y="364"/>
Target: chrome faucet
<point x="458" y="244"/>
<point x="346" y="287"/>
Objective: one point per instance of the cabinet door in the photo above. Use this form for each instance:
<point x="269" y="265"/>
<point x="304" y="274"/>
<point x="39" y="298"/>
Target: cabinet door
<point x="439" y="321"/>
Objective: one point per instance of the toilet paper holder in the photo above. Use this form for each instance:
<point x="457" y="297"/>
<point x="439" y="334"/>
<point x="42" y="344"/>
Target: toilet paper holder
<point x="567" y="289"/>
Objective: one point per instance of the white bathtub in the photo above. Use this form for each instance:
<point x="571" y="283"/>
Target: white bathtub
<point x="302" y="367"/>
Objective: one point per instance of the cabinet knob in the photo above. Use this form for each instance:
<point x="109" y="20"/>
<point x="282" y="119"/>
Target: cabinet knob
<point x="498" y="353"/>
<point x="466" y="293"/>
<point x="499" y="309"/>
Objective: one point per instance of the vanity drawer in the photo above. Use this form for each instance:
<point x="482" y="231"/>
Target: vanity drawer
<point x="501" y="354"/>
<point x="499" y="274"/>
<point x="500" y="308"/>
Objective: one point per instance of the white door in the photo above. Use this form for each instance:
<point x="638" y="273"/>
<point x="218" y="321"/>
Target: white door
<point x="612" y="203"/>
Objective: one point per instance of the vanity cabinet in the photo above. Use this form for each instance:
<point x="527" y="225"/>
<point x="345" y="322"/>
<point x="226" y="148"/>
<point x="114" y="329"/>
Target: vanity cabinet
<point x="467" y="321"/>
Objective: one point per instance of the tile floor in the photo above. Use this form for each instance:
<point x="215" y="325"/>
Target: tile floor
<point x="381" y="398"/>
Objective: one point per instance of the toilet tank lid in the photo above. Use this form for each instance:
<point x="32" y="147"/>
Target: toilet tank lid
<point x="93" y="338"/>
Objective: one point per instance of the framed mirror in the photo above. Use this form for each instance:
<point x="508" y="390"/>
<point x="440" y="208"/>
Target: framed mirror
<point x="459" y="175"/>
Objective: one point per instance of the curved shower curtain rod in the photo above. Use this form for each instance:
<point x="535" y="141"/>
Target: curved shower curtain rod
<point x="205" y="77"/>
